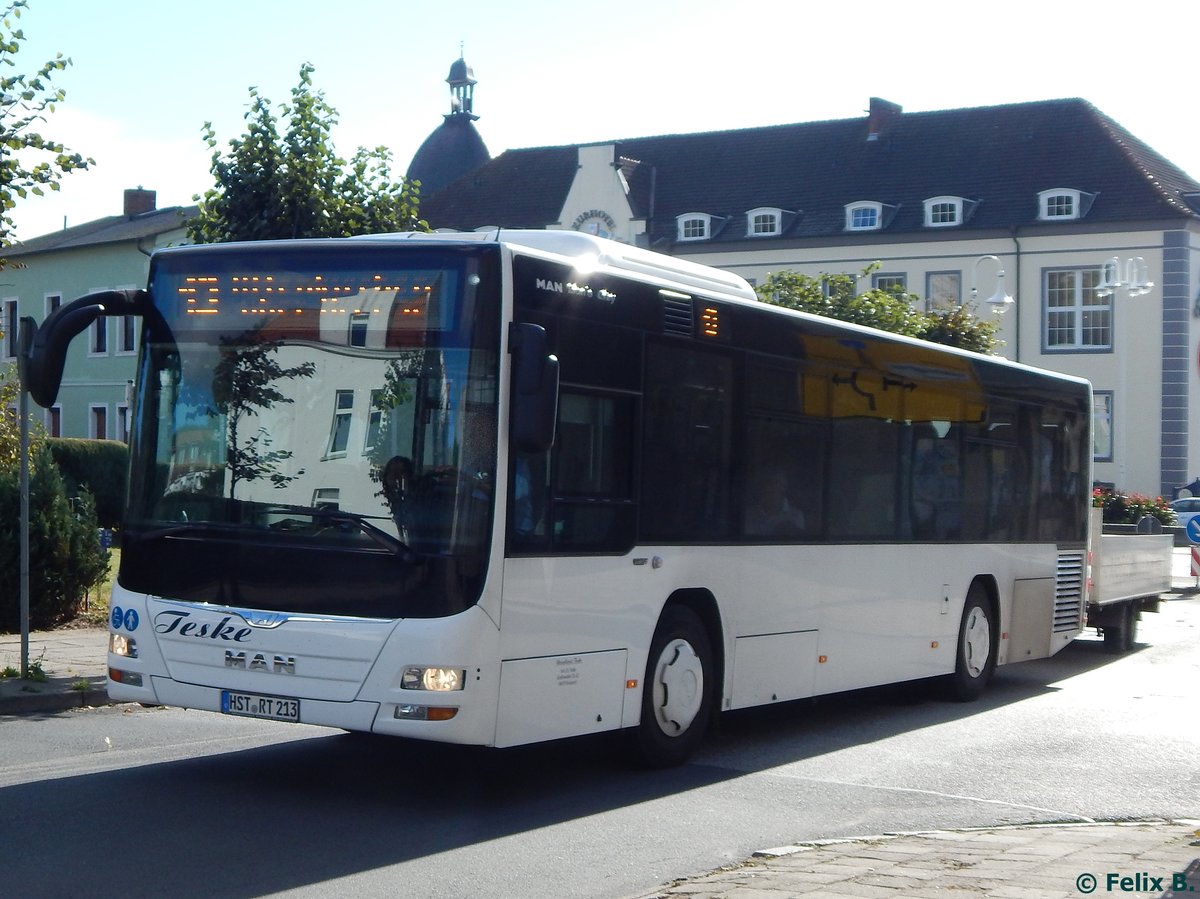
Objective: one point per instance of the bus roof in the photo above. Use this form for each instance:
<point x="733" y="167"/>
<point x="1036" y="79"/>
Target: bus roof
<point x="596" y="254"/>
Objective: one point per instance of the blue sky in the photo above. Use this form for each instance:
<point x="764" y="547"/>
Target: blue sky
<point x="147" y="74"/>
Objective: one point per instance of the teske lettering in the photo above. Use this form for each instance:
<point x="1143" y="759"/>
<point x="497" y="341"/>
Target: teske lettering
<point x="175" y="622"/>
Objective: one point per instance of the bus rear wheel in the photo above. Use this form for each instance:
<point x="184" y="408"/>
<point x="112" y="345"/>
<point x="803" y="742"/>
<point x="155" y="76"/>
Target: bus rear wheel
<point x="976" y="654"/>
<point x="677" y="692"/>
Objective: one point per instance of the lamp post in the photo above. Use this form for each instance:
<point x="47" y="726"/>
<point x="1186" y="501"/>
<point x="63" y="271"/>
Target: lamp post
<point x="1000" y="300"/>
<point x="1136" y="282"/>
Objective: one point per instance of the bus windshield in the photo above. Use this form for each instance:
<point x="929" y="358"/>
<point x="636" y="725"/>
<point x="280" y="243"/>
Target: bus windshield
<point x="328" y="397"/>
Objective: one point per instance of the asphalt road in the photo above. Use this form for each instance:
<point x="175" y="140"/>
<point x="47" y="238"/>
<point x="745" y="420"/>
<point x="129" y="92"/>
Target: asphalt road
<point x="128" y="802"/>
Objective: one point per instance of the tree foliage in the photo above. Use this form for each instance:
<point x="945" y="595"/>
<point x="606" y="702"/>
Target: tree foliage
<point x="30" y="162"/>
<point x="65" y="558"/>
<point x="837" y="296"/>
<point x="243" y="382"/>
<point x="283" y="178"/>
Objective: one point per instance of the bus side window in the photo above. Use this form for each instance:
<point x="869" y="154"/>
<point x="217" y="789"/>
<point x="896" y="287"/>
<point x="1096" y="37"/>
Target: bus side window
<point x="592" y="473"/>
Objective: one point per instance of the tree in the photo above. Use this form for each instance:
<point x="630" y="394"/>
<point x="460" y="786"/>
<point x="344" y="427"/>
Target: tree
<point x="836" y="296"/>
<point x="66" y="558"/>
<point x="243" y="382"/>
<point x="30" y="163"/>
<point x="271" y="186"/>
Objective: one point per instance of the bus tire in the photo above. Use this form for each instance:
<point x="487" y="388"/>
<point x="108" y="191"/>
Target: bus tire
<point x="1120" y="637"/>
<point x="677" y="692"/>
<point x="975" y="657"/>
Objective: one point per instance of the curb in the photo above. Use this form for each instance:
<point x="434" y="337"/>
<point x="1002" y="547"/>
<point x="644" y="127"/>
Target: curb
<point x="35" y="696"/>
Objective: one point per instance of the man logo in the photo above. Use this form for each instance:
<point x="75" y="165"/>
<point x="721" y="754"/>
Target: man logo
<point x="258" y="662"/>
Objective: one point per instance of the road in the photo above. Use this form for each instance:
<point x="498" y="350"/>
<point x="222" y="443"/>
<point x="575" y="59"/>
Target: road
<point x="128" y="802"/>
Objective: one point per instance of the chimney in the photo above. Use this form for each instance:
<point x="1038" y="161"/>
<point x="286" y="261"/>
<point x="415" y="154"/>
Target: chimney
<point x="881" y="114"/>
<point x="138" y="201"/>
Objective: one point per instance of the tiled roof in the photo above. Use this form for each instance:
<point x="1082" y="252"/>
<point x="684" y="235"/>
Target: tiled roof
<point x="112" y="229"/>
<point x="517" y="189"/>
<point x="998" y="157"/>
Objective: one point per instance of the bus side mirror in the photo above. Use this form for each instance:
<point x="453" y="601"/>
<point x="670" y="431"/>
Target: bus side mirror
<point x="45" y="350"/>
<point x="535" y="388"/>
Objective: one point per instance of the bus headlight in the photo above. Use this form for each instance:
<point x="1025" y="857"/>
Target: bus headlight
<point x="438" y="680"/>
<point x="120" y="645"/>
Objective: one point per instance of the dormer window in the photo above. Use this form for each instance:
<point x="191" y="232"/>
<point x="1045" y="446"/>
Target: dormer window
<point x="864" y="216"/>
<point x="943" y="212"/>
<point x="694" y="226"/>
<point x="765" y="221"/>
<point x="1063" y="204"/>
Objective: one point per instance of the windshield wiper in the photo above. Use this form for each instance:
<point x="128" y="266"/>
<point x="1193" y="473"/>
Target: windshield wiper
<point x="392" y="544"/>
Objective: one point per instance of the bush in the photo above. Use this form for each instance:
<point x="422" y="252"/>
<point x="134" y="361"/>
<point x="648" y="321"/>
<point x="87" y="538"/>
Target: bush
<point x="65" y="557"/>
<point x="1122" y="508"/>
<point x="100" y="467"/>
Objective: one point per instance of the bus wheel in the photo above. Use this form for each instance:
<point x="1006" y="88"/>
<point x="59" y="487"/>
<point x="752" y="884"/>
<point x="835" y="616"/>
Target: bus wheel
<point x="976" y="658"/>
<point x="677" y="692"/>
<point x="1120" y="637"/>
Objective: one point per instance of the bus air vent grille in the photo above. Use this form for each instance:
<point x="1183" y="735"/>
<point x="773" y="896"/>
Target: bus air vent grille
<point x="1068" y="594"/>
<point x="677" y="317"/>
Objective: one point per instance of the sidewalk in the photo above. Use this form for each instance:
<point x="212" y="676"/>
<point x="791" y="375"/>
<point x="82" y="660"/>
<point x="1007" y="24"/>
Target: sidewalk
<point x="1150" y="858"/>
<point x="74" y="661"/>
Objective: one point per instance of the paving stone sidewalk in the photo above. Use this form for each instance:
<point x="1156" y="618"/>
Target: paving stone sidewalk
<point x="1054" y="861"/>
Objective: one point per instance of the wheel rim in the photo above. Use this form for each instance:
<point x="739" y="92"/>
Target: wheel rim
<point x="977" y="642"/>
<point x="678" y="687"/>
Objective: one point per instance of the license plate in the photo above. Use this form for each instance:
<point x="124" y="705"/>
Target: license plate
<point x="253" y="705"/>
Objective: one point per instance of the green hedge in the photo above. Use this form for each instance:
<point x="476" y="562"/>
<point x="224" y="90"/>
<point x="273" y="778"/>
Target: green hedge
<point x="65" y="556"/>
<point x="98" y="466"/>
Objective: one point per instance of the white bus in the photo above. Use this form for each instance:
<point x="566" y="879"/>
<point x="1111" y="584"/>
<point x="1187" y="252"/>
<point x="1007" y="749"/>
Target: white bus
<point x="503" y="488"/>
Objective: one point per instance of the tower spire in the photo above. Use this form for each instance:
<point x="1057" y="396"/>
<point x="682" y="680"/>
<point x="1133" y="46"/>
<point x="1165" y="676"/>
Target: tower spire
<point x="462" y="88"/>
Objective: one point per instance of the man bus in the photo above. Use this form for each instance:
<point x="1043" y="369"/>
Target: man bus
<point x="509" y="487"/>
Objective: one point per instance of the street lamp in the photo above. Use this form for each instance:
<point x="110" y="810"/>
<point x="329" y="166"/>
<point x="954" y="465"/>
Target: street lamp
<point x="1136" y="283"/>
<point x="1000" y="300"/>
<point x="1137" y="277"/>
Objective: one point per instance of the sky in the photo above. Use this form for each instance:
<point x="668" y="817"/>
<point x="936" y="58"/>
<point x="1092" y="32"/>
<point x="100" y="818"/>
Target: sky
<point x="147" y="74"/>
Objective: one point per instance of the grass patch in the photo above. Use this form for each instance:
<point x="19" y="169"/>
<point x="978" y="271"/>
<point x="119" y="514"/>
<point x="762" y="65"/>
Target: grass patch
<point x="96" y="604"/>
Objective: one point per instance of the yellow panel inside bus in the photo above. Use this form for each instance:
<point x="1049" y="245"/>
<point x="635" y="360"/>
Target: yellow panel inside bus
<point x="860" y="377"/>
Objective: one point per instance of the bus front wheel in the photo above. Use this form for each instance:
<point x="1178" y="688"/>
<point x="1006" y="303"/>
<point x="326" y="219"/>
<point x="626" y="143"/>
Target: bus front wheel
<point x="976" y="654"/>
<point x="677" y="692"/>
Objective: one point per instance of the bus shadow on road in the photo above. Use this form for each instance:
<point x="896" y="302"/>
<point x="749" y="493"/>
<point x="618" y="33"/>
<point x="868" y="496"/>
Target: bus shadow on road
<point x="289" y="815"/>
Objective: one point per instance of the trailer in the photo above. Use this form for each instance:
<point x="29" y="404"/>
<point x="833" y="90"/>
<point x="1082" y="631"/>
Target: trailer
<point x="1128" y="573"/>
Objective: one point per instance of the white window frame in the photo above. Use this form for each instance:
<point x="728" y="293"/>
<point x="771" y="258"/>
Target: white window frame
<point x="1080" y="315"/>
<point x="887" y="280"/>
<point x="99" y="328"/>
<point x="49" y="417"/>
<point x="358" y="326"/>
<point x="374" y="421"/>
<point x="11" y="325"/>
<point x="763" y="216"/>
<point x="340" y="412"/>
<point x="853" y="211"/>
<point x="936" y="207"/>
<point x="1102" y="425"/>
<point x="1048" y="198"/>
<point x="123" y="422"/>
<point x="93" y="408"/>
<point x="935" y="285"/>
<point x="694" y="222"/>
<point x="51" y="302"/>
<point x="324" y="497"/>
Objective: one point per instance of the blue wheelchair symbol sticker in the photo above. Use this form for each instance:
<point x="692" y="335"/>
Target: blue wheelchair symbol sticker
<point x="118" y="615"/>
<point x="131" y="619"/>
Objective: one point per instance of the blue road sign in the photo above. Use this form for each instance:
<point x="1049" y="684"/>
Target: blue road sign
<point x="1193" y="529"/>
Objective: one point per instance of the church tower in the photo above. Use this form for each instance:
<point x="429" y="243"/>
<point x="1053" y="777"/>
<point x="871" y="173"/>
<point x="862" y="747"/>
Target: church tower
<point x="455" y="147"/>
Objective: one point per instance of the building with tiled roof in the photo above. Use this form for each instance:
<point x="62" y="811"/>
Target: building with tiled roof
<point x="1055" y="195"/>
<point x="48" y="271"/>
